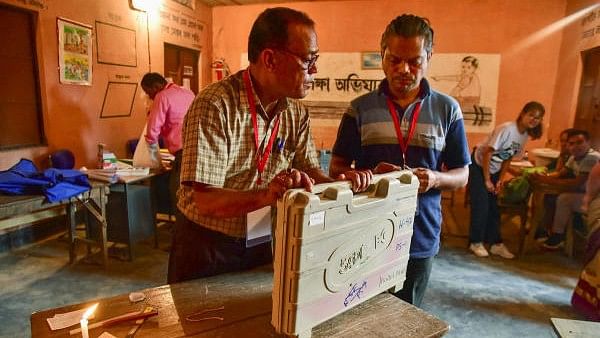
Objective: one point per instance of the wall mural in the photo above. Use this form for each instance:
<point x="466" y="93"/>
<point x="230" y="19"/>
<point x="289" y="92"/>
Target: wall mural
<point x="472" y="79"/>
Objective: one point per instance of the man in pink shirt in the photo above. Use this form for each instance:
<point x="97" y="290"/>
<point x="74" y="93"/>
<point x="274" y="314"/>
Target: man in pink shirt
<point x="169" y="106"/>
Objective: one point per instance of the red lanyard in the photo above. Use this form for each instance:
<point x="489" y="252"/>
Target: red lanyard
<point x="261" y="158"/>
<point x="411" y="130"/>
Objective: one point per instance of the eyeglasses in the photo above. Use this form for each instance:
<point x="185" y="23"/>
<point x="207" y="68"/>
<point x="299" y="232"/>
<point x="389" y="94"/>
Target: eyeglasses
<point x="306" y="64"/>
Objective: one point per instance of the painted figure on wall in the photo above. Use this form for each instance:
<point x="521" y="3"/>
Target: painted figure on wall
<point x="468" y="88"/>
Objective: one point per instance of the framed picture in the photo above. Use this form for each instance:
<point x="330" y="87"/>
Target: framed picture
<point x="110" y="40"/>
<point x="118" y="99"/>
<point x="74" y="52"/>
<point x="370" y="60"/>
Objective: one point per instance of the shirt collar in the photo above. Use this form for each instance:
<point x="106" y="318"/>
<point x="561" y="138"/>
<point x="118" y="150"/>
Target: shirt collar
<point x="282" y="104"/>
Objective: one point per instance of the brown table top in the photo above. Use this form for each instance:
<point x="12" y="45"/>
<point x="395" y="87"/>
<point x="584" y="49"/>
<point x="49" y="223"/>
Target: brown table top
<point x="246" y="298"/>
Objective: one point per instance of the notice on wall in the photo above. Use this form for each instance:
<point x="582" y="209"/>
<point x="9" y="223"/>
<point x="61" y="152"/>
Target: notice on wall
<point x="179" y="26"/>
<point x="590" y="30"/>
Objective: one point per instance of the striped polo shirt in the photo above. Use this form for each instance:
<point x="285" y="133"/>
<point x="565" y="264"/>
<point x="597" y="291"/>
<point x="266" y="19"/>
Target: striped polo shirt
<point x="367" y="136"/>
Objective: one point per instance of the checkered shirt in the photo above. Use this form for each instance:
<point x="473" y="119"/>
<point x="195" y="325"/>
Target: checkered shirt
<point x="219" y="150"/>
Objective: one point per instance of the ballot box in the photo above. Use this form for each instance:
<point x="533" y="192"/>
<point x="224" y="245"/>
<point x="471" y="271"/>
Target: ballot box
<point x="335" y="249"/>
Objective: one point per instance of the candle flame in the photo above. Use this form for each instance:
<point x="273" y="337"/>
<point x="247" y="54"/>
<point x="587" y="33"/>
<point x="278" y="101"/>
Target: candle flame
<point x="89" y="311"/>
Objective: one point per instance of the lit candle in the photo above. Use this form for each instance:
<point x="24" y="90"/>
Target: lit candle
<point x="84" y="328"/>
<point x="84" y="320"/>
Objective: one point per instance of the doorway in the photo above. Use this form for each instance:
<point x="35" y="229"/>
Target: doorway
<point x="587" y="116"/>
<point x="181" y="66"/>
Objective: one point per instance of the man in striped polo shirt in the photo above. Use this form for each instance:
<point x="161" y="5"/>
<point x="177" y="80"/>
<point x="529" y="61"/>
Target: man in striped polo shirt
<point x="404" y="123"/>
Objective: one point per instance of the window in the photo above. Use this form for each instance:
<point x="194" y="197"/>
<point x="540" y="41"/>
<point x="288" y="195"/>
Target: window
<point x="20" y="104"/>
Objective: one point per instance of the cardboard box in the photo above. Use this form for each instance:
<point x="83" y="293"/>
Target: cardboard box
<point x="335" y="250"/>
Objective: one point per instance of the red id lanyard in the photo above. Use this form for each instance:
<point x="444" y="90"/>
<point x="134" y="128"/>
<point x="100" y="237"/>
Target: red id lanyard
<point x="261" y="158"/>
<point x="411" y="130"/>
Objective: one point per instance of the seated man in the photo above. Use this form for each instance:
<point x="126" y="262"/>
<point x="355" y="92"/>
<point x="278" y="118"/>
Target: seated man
<point x="541" y="233"/>
<point x="581" y="161"/>
<point x="559" y="163"/>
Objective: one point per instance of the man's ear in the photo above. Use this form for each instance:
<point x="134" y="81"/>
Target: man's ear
<point x="268" y="58"/>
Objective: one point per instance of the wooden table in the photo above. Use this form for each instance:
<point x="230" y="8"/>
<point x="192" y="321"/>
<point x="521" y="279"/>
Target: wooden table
<point x="246" y="298"/>
<point x="93" y="200"/>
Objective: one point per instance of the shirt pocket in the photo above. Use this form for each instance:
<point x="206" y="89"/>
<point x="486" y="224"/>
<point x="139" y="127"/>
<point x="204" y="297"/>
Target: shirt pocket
<point x="280" y="159"/>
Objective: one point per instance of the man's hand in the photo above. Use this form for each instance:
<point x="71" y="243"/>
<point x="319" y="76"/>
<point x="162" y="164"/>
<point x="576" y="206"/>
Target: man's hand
<point x="501" y="185"/>
<point x="538" y="178"/>
<point x="289" y="179"/>
<point x="427" y="179"/>
<point x="361" y="179"/>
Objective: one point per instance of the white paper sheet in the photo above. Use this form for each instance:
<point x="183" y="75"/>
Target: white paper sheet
<point x="62" y="320"/>
<point x="258" y="225"/>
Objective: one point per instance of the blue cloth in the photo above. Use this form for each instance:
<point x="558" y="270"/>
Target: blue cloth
<point x="56" y="184"/>
<point x="367" y="135"/>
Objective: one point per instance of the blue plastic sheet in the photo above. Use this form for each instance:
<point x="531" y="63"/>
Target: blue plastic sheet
<point x="55" y="184"/>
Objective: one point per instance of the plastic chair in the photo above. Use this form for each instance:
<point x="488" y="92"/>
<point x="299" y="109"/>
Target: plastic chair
<point x="62" y="159"/>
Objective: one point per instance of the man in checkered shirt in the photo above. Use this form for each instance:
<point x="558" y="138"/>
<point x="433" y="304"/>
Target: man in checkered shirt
<point x="246" y="140"/>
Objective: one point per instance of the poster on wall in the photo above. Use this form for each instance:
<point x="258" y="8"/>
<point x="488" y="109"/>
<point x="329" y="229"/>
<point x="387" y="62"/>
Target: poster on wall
<point x="74" y="52"/>
<point x="471" y="78"/>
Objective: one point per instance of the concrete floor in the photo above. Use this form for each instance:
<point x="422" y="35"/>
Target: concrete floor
<point x="488" y="297"/>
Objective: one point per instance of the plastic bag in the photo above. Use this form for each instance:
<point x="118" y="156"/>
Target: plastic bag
<point x="517" y="189"/>
<point x="146" y="155"/>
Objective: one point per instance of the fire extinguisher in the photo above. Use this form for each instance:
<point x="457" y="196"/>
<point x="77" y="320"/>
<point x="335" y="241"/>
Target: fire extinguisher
<point x="220" y="68"/>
